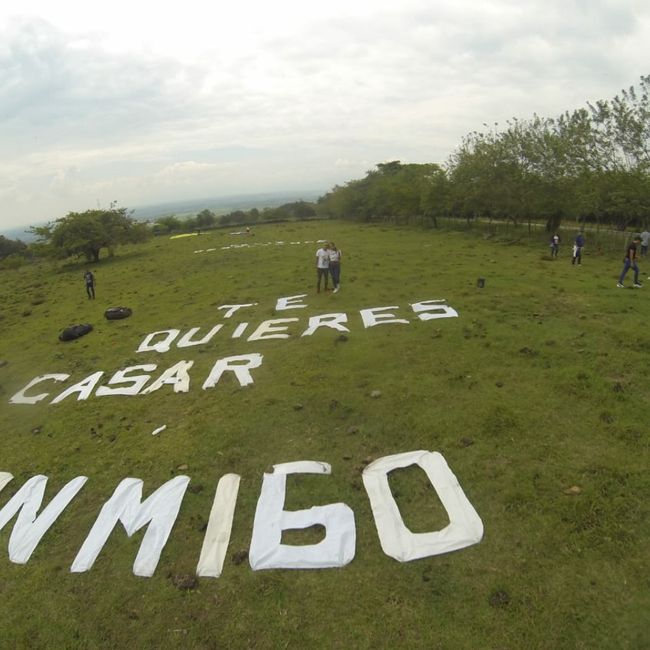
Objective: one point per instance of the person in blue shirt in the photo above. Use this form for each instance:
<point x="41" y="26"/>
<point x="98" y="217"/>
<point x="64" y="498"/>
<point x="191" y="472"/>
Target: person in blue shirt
<point x="578" y="245"/>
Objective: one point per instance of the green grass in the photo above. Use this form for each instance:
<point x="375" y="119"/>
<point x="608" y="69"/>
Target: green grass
<point x="538" y="386"/>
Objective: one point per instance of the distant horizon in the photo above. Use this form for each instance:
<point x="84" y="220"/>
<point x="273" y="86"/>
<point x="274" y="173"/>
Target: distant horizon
<point x="229" y="202"/>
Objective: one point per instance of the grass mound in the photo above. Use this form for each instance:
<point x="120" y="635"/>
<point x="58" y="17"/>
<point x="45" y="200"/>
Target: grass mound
<point x="535" y="395"/>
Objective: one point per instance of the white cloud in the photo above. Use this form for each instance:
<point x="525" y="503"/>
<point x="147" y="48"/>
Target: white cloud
<point x="146" y="102"/>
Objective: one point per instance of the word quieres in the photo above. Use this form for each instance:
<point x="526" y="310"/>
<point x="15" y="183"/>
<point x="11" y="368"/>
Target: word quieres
<point x="137" y="379"/>
<point x="159" y="511"/>
<point x="277" y="328"/>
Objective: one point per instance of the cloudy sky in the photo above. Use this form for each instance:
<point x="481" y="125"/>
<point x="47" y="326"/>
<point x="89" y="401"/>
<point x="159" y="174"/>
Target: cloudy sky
<point x="145" y="102"/>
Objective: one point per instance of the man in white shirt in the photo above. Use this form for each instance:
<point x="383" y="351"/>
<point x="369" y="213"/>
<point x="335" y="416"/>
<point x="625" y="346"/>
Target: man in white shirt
<point x="322" y="265"/>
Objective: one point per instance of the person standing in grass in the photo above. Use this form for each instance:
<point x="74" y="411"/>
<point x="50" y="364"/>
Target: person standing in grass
<point x="630" y="262"/>
<point x="322" y="265"/>
<point x="89" y="278"/>
<point x="555" y="245"/>
<point x="645" y="242"/>
<point x="335" y="266"/>
<point x="577" y="249"/>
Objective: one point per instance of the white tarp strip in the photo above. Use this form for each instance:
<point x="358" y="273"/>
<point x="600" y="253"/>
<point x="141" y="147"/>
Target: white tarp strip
<point x="303" y="467"/>
<point x="267" y="551"/>
<point x="29" y="529"/>
<point x="5" y="477"/>
<point x="159" y="510"/>
<point x="217" y="536"/>
<point x="397" y="541"/>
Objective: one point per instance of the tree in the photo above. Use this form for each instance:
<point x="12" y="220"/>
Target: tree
<point x="10" y="247"/>
<point x="168" y="224"/>
<point x="205" y="218"/>
<point x="86" y="233"/>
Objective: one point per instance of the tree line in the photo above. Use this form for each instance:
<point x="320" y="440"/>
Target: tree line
<point x="590" y="165"/>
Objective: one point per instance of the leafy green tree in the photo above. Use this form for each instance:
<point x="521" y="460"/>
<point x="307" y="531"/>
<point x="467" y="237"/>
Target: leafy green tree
<point x="86" y="233"/>
<point x="205" y="219"/>
<point x="11" y="247"/>
<point x="168" y="224"/>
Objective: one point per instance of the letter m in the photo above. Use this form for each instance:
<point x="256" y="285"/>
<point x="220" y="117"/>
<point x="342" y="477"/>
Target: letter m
<point x="158" y="511"/>
<point x="30" y="528"/>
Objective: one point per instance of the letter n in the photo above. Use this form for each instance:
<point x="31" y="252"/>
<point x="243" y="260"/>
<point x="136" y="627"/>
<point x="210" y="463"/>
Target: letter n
<point x="30" y="528"/>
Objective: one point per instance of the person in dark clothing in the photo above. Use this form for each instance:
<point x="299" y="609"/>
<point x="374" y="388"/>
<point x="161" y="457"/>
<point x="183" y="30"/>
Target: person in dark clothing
<point x="630" y="262"/>
<point x="90" y="284"/>
<point x="577" y="249"/>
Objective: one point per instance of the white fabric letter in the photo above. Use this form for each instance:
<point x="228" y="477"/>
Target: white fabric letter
<point x="161" y="346"/>
<point x="29" y="529"/>
<point x="371" y="318"/>
<point x="217" y="536"/>
<point x="241" y="370"/>
<point x="290" y="302"/>
<point x="425" y="308"/>
<point x="186" y="341"/>
<point x="269" y="329"/>
<point x="465" y="526"/>
<point x="335" y="321"/>
<point x="84" y="388"/>
<point x="267" y="551"/>
<point x="120" y="377"/>
<point x="21" y="398"/>
<point x="159" y="510"/>
<point x="177" y="376"/>
<point x="231" y="309"/>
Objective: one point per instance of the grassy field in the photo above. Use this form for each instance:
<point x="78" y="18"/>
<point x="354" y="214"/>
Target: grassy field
<point x="536" y="395"/>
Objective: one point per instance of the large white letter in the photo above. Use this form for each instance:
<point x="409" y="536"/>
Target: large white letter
<point x="217" y="536"/>
<point x="241" y="370"/>
<point x="290" y="302"/>
<point x="267" y="551"/>
<point x="159" y="510"/>
<point x="177" y="376"/>
<point x="161" y="346"/>
<point x="326" y="320"/>
<point x="186" y="341"/>
<point x="426" y="307"/>
<point x="21" y="398"/>
<point x="29" y="529"/>
<point x="397" y="541"/>
<point x="370" y="318"/>
<point x="120" y="377"/>
<point x="231" y="309"/>
<point x="268" y="330"/>
<point x="84" y="388"/>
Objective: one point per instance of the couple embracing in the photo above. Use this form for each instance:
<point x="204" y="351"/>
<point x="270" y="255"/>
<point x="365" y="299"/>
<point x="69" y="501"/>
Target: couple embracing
<point x="328" y="262"/>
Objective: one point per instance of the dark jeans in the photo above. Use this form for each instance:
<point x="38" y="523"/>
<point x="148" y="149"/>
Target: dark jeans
<point x="322" y="273"/>
<point x="578" y="256"/>
<point x="335" y="272"/>
<point x="90" y="290"/>
<point x="626" y="267"/>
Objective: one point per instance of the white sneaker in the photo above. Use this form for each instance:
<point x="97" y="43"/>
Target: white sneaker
<point x="620" y="286"/>
<point x="336" y="290"/>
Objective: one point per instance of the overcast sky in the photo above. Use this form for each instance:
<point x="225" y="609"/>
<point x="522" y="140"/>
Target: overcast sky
<point x="145" y="102"/>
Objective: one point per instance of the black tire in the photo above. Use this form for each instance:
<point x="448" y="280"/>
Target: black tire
<point x="117" y="313"/>
<point x="74" y="332"/>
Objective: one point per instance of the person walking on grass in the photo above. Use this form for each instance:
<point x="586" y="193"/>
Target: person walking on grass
<point x="335" y="266"/>
<point x="630" y="262"/>
<point x="555" y="245"/>
<point x="578" y="245"/>
<point x="322" y="266"/>
<point x="89" y="278"/>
